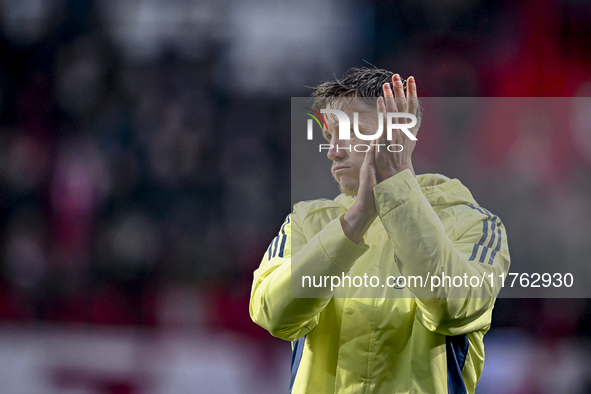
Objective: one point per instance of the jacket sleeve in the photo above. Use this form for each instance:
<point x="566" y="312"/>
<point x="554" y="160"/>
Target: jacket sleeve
<point x="328" y="252"/>
<point x="477" y="252"/>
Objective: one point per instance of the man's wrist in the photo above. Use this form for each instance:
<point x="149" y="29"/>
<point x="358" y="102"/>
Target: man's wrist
<point x="356" y="222"/>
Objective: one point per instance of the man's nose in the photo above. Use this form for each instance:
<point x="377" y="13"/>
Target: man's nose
<point x="336" y="151"/>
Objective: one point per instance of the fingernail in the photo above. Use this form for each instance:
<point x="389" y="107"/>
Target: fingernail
<point x="411" y="79"/>
<point x="396" y="77"/>
<point x="387" y="86"/>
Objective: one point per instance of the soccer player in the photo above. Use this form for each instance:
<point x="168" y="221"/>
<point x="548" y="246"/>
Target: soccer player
<point x="423" y="332"/>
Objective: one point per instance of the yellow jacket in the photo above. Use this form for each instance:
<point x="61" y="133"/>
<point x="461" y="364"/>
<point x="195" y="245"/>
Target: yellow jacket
<point x="403" y="338"/>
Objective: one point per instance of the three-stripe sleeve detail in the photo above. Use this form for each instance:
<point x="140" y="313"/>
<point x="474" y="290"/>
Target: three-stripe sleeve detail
<point x="277" y="246"/>
<point x="456" y="348"/>
<point x="296" y="358"/>
<point x="490" y="226"/>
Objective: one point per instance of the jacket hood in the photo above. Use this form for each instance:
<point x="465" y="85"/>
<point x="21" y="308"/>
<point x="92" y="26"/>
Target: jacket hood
<point x="441" y="190"/>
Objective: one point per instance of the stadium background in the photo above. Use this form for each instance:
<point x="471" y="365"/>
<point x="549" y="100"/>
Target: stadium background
<point x="144" y="168"/>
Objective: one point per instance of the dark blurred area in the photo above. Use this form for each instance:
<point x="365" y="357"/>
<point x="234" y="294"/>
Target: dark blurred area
<point x="144" y="168"/>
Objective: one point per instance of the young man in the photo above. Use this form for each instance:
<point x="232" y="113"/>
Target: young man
<point x="437" y="258"/>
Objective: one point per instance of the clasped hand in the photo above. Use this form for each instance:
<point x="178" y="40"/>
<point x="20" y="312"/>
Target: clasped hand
<point x="381" y="164"/>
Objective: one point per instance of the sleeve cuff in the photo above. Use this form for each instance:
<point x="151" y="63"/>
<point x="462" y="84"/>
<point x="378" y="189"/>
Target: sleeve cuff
<point x="341" y="250"/>
<point x="395" y="191"/>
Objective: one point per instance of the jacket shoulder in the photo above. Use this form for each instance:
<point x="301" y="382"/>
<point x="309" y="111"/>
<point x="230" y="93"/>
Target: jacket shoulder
<point x="306" y="208"/>
<point x="465" y="216"/>
<point x="313" y="215"/>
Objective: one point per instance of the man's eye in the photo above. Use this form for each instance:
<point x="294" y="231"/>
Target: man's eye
<point x="328" y="137"/>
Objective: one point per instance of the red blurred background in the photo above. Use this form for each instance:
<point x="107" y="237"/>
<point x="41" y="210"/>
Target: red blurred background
<point x="144" y="168"/>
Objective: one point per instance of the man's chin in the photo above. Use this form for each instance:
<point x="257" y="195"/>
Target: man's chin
<point x="347" y="186"/>
<point x="349" y="190"/>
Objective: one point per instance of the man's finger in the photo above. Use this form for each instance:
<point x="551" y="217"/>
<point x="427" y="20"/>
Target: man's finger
<point x="368" y="168"/>
<point x="413" y="101"/>
<point x="369" y="158"/>
<point x="382" y="139"/>
<point x="390" y="107"/>
<point x="389" y="98"/>
<point x="401" y="103"/>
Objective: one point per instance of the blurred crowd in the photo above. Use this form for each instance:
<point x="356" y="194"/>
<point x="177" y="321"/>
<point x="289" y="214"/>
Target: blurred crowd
<point x="145" y="144"/>
<point x="129" y="187"/>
